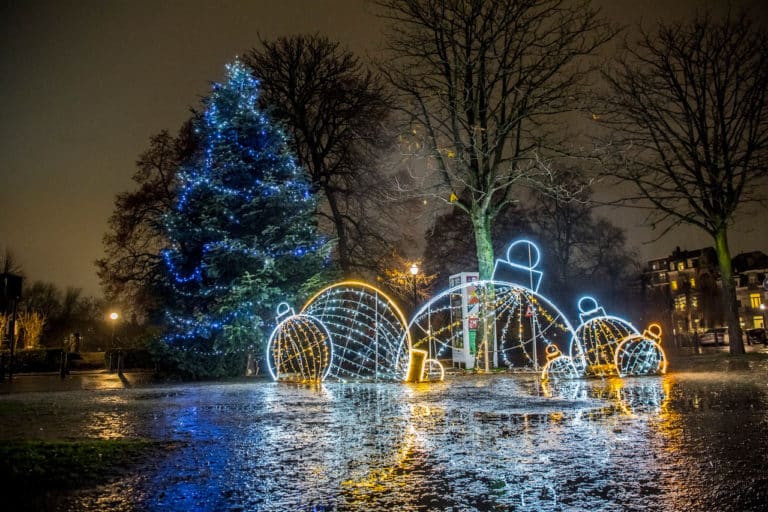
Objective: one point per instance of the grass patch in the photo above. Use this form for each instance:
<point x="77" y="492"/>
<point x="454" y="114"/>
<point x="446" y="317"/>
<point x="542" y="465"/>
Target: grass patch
<point x="12" y="407"/>
<point x="71" y="464"/>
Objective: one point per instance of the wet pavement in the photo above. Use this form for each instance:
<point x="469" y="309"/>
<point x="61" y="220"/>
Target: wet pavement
<point x="685" y="441"/>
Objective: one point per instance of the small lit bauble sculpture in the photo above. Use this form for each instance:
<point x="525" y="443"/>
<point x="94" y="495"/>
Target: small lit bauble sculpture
<point x="300" y="348"/>
<point x="558" y="366"/>
<point x="593" y="349"/>
<point x="641" y="354"/>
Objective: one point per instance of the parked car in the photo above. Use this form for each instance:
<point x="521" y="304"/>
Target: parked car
<point x="715" y="336"/>
<point x="757" y="335"/>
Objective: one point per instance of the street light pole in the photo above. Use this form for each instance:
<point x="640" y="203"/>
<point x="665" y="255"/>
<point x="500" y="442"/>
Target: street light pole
<point x="112" y="316"/>
<point x="414" y="272"/>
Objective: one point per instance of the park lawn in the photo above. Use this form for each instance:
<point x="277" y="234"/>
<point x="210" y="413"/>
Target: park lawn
<point x="45" y="465"/>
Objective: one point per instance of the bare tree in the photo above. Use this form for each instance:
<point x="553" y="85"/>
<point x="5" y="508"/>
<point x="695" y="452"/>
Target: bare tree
<point x="131" y="269"/>
<point x="479" y="82"/>
<point x="563" y="223"/>
<point x="9" y="264"/>
<point x="335" y="112"/>
<point x="690" y="118"/>
<point x="31" y="325"/>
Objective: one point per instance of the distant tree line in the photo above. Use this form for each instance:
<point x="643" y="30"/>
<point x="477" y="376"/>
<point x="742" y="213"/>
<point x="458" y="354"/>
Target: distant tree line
<point x="47" y="316"/>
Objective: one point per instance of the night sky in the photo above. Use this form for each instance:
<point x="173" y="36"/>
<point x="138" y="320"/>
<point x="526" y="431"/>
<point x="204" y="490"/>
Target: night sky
<point x="84" y="84"/>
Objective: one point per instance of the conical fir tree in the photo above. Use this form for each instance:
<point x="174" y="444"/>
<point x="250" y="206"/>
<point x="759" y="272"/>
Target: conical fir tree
<point x="243" y="233"/>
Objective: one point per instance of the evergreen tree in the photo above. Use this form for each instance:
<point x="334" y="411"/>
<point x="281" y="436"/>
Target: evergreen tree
<point x="243" y="232"/>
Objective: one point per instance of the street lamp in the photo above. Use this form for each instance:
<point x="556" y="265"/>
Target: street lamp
<point x="112" y="316"/>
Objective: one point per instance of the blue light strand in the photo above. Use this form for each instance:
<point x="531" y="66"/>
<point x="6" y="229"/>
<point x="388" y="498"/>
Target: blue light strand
<point x="244" y="209"/>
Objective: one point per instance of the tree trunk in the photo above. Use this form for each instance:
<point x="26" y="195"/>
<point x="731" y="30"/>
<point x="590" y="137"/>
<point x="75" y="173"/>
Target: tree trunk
<point x="341" y="232"/>
<point x="481" y="224"/>
<point x="736" y="345"/>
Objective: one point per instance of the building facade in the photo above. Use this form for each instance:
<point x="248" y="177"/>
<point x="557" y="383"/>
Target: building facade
<point x="683" y="290"/>
<point x="751" y="271"/>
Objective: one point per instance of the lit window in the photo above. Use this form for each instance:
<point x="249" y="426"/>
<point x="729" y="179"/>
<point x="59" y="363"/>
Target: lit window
<point x="755" y="300"/>
<point x="680" y="265"/>
<point x="680" y="303"/>
<point x="673" y="283"/>
<point x="693" y="282"/>
<point x="662" y="277"/>
<point x="671" y="266"/>
<point x="690" y="263"/>
<point x="758" y="321"/>
<point x="695" y="302"/>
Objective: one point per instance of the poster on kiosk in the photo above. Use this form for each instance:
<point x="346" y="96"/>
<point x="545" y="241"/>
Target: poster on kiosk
<point x="465" y="319"/>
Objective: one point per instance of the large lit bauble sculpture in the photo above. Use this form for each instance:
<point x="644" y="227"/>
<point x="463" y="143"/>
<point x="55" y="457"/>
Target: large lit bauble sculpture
<point x="641" y="354"/>
<point x="366" y="329"/>
<point x="594" y="347"/>
<point x="300" y="348"/>
<point x="510" y="322"/>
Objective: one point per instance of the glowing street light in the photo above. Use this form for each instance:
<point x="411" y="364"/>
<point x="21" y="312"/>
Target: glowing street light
<point x="414" y="272"/>
<point x="113" y="316"/>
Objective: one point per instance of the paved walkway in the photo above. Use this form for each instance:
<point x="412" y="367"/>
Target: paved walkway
<point x="85" y="380"/>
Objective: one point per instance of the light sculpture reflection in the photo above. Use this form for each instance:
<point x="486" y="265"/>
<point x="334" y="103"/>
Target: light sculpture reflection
<point x="354" y="331"/>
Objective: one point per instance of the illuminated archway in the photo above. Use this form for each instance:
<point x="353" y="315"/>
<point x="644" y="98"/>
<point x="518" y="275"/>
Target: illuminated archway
<point x="522" y="322"/>
<point x="513" y="323"/>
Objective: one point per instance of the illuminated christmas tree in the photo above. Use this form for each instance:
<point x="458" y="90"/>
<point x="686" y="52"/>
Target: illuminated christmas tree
<point x="243" y="234"/>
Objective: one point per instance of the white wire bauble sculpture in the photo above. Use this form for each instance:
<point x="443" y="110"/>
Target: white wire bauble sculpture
<point x="641" y="354"/>
<point x="300" y="347"/>
<point x="597" y="337"/>
<point x="558" y="366"/>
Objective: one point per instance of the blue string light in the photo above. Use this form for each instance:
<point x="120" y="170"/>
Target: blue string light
<point x="243" y="230"/>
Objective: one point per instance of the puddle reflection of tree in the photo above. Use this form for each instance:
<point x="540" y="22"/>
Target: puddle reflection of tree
<point x="713" y="440"/>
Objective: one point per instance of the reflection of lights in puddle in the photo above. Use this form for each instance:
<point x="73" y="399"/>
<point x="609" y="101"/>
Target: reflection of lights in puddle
<point x="106" y="425"/>
<point x="628" y="396"/>
<point x="386" y="478"/>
